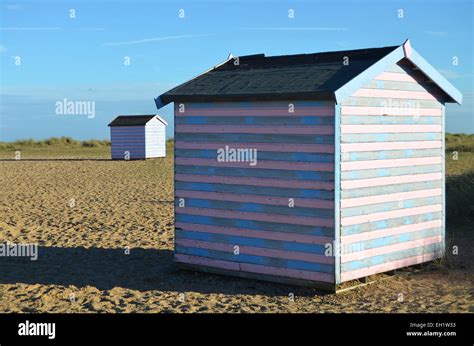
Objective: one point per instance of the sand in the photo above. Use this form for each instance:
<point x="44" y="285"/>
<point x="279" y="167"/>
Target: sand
<point x="105" y="235"/>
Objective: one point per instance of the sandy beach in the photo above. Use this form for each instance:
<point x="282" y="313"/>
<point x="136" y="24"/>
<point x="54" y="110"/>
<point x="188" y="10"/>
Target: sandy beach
<point x="105" y="235"/>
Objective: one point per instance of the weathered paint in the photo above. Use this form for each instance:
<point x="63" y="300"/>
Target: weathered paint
<point x="228" y="204"/>
<point x="365" y="174"/>
<point x="392" y="199"/>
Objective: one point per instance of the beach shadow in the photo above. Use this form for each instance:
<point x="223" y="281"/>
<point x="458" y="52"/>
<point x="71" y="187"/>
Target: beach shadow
<point x="142" y="270"/>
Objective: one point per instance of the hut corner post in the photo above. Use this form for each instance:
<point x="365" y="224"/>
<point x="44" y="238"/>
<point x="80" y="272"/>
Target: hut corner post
<point x="443" y="168"/>
<point x="337" y="194"/>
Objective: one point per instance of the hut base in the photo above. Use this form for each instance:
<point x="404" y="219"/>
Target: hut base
<point x="323" y="286"/>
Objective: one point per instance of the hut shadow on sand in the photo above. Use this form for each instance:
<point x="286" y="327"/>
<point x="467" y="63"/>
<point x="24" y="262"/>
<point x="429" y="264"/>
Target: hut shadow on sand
<point x="142" y="270"/>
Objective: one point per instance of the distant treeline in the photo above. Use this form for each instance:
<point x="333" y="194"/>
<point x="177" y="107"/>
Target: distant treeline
<point x="56" y="141"/>
<point x="454" y="142"/>
<point x="59" y="142"/>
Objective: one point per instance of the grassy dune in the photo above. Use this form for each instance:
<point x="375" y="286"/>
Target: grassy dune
<point x="60" y="148"/>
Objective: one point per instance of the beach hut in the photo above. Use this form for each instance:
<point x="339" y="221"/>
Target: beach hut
<point x="137" y="137"/>
<point x="312" y="169"/>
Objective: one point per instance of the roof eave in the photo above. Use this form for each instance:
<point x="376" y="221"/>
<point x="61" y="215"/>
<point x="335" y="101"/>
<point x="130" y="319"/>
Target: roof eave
<point x="403" y="51"/>
<point x="435" y="76"/>
<point x="310" y="95"/>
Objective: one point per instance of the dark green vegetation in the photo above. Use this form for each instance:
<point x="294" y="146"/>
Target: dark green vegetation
<point x="460" y="178"/>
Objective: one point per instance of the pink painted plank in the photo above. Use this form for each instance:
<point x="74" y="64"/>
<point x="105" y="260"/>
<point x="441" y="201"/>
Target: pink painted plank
<point x="250" y="233"/>
<point x="392" y="110"/>
<point x="255" y="268"/>
<point x="228" y="214"/>
<point x="355" y="147"/>
<point x="267" y="111"/>
<point x="292" y="184"/>
<point x="265" y="129"/>
<point x="399" y="179"/>
<point x="277" y="147"/>
<point x="390" y="128"/>
<point x="384" y="215"/>
<point x="245" y="198"/>
<point x="399" y="196"/>
<point x="396" y="77"/>
<point x="396" y="94"/>
<point x="370" y="164"/>
<point x="291" y="273"/>
<point x="387" y="232"/>
<point x="384" y="267"/>
<point x="382" y="250"/>
<point x="256" y="251"/>
<point x="292" y="166"/>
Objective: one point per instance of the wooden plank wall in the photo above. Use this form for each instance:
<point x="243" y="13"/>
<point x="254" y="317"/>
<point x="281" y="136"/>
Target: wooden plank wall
<point x="127" y="138"/>
<point x="391" y="174"/>
<point x="155" y="132"/>
<point x="229" y="204"/>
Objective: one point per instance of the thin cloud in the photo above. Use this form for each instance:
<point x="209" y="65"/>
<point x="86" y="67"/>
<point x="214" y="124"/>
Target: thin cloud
<point x="295" y="28"/>
<point x="436" y="33"/>
<point x="13" y="7"/>
<point x="2" y="48"/>
<point x="39" y="28"/>
<point x="153" y="39"/>
<point x="453" y="74"/>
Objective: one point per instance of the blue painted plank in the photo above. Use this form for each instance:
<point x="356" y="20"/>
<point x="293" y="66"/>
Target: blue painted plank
<point x="253" y="120"/>
<point x="261" y="155"/>
<point x="254" y="138"/>
<point x="257" y="208"/>
<point x="255" y="190"/>
<point x="389" y="206"/>
<point x="255" y="225"/>
<point x="255" y="173"/>
<point x="385" y="241"/>
<point x="372" y="261"/>
<point x="266" y="261"/>
<point x="381" y="190"/>
<point x="256" y="242"/>
<point x="383" y="224"/>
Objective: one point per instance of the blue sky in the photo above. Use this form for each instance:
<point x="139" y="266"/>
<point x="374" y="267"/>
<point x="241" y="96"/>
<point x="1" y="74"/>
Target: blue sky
<point x="82" y="58"/>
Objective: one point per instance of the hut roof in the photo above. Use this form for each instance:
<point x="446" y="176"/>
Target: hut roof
<point x="318" y="76"/>
<point x="135" y="120"/>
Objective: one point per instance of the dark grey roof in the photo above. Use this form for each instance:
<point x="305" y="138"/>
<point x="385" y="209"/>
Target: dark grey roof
<point x="256" y="77"/>
<point x="131" y="120"/>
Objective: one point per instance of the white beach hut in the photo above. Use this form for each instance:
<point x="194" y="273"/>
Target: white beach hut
<point x="138" y="137"/>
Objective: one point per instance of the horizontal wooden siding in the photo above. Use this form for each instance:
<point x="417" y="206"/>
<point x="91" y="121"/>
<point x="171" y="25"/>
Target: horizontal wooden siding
<point x="235" y="204"/>
<point x="155" y="132"/>
<point x="127" y="139"/>
<point x="391" y="174"/>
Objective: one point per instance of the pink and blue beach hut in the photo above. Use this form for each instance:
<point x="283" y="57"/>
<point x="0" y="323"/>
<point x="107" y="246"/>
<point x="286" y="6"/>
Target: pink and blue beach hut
<point x="349" y="177"/>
